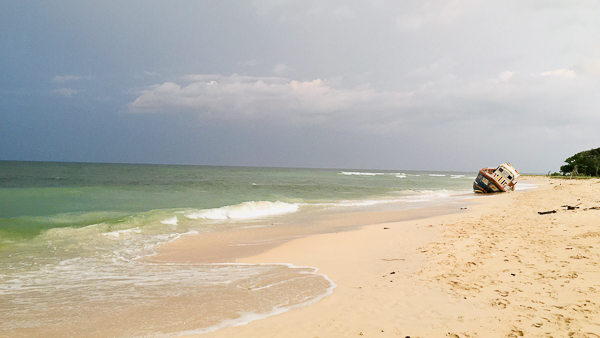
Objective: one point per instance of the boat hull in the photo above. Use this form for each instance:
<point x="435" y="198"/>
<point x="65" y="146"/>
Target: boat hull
<point x="485" y="182"/>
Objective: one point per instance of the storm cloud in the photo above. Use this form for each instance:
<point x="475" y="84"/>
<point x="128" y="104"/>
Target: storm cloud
<point x="440" y="85"/>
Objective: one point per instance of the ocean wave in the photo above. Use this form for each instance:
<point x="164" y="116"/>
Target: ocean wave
<point x="171" y="221"/>
<point x="354" y="173"/>
<point x="245" y="210"/>
<point x="123" y="232"/>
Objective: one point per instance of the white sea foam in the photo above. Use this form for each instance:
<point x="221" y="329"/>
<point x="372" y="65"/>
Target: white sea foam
<point x="457" y="176"/>
<point x="245" y="210"/>
<point x="248" y="317"/>
<point x="434" y="195"/>
<point x="170" y="221"/>
<point x="359" y="203"/>
<point x="355" y="173"/>
<point x="119" y="233"/>
<point x="437" y="175"/>
<point x="351" y="173"/>
<point x="124" y="283"/>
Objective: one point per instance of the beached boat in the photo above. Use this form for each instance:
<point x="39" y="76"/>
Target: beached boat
<point x="500" y="179"/>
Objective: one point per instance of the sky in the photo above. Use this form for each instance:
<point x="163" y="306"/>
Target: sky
<point x="451" y="85"/>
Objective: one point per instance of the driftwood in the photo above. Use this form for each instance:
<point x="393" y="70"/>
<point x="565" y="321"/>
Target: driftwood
<point x="570" y="207"/>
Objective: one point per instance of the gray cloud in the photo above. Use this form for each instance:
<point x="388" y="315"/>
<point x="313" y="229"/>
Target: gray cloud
<point x="510" y="99"/>
<point x="277" y="99"/>
<point x="375" y="83"/>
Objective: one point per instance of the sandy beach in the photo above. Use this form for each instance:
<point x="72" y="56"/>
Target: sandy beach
<point x="495" y="269"/>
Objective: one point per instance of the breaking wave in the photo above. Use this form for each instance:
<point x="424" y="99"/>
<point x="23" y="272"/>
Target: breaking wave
<point x="356" y="173"/>
<point x="351" y="173"/>
<point x="245" y="210"/>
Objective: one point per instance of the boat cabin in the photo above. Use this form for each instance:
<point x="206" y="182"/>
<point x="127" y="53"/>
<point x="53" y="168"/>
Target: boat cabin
<point x="500" y="179"/>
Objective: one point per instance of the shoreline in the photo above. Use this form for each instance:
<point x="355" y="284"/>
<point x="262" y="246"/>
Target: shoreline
<point x="235" y="245"/>
<point x="488" y="272"/>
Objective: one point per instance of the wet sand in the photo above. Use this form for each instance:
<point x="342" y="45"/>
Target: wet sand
<point x="234" y="246"/>
<point x="496" y="269"/>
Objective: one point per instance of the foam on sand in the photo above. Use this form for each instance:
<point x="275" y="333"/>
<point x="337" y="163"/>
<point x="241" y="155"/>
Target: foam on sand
<point x="246" y="318"/>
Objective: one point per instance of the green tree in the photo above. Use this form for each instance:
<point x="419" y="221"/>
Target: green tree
<point x="587" y="163"/>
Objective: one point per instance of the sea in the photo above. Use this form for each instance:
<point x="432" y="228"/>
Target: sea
<point x="77" y="241"/>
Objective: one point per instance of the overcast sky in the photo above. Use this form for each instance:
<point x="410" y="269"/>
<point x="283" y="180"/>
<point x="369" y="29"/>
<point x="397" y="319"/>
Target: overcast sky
<point x="424" y="85"/>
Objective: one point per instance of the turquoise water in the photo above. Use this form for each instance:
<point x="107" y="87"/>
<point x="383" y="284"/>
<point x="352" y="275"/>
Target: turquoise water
<point x="36" y="196"/>
<point x="73" y="236"/>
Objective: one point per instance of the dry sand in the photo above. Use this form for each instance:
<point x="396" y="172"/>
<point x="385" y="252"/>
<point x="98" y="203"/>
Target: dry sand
<point x="498" y="269"/>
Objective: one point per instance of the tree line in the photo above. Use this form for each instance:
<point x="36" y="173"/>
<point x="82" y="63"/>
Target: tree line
<point x="583" y="163"/>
